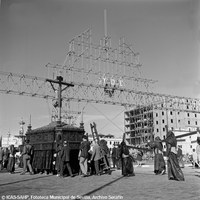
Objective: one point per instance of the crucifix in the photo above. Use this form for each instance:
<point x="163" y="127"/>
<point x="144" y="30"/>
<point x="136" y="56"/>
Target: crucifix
<point x="59" y="81"/>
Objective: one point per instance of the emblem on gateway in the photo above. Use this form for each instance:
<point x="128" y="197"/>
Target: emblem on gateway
<point x="110" y="84"/>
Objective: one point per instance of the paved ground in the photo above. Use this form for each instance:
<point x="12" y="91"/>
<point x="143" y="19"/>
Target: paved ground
<point x="144" y="186"/>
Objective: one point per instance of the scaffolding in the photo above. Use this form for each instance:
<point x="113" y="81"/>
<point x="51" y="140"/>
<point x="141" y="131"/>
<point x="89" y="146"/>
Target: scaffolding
<point x="139" y="125"/>
<point x="101" y="71"/>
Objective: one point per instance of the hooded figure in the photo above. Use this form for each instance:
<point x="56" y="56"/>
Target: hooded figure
<point x="173" y="168"/>
<point x="11" y="159"/>
<point x="126" y="160"/>
<point x="159" y="162"/>
<point x="105" y="154"/>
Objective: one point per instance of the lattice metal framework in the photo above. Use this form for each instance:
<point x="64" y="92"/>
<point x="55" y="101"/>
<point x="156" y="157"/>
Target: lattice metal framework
<point x="100" y="74"/>
<point x="101" y="66"/>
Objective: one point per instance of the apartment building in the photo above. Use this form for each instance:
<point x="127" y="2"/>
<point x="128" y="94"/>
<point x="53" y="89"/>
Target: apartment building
<point x="144" y="123"/>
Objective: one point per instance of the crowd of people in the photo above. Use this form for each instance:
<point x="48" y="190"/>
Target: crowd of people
<point x="95" y="158"/>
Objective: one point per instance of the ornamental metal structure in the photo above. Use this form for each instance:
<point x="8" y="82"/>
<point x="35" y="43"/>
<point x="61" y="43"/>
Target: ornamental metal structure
<point x="102" y="74"/>
<point x="99" y="74"/>
<point x="106" y="75"/>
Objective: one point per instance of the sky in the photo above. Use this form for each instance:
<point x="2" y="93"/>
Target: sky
<point x="166" y="33"/>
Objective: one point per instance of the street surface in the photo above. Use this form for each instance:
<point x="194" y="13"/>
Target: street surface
<point x="144" y="186"/>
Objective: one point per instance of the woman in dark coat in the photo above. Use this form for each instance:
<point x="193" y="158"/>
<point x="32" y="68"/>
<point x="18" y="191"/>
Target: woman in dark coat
<point x="174" y="170"/>
<point x="126" y="160"/>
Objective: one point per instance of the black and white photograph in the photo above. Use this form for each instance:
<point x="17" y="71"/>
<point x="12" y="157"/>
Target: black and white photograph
<point x="99" y="99"/>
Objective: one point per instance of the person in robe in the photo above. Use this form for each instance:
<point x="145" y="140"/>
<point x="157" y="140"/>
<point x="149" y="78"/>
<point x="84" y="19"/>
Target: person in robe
<point x="114" y="156"/>
<point x="126" y="161"/>
<point x="105" y="155"/>
<point x="5" y="157"/>
<point x="180" y="157"/>
<point x="118" y="156"/>
<point x="11" y="159"/>
<point x="1" y="158"/>
<point x="159" y="162"/>
<point x="42" y="161"/>
<point x="173" y="168"/>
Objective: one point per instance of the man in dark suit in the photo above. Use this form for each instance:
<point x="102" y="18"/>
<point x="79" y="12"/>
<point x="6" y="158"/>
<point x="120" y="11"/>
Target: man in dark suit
<point x="96" y="156"/>
<point x="83" y="156"/>
<point x="65" y="159"/>
<point x="27" y="156"/>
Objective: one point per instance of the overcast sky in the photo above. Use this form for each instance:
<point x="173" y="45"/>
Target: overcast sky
<point x="33" y="33"/>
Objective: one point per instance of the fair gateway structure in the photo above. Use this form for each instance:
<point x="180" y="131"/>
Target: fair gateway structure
<point x="104" y="73"/>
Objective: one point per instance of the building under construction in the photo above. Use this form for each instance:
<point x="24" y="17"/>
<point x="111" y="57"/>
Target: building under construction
<point x="139" y="124"/>
<point x="147" y="122"/>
